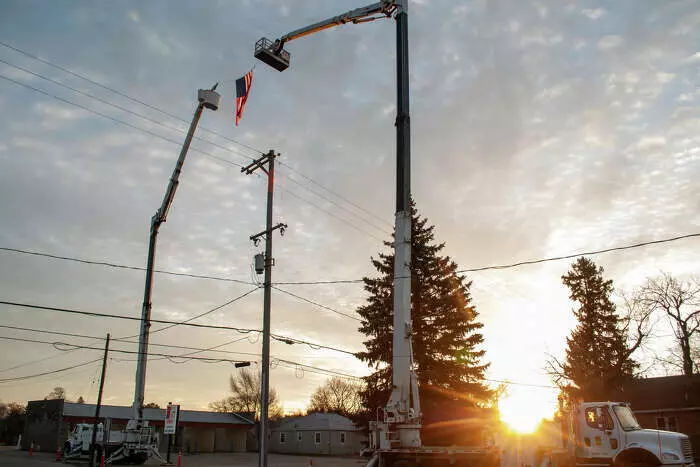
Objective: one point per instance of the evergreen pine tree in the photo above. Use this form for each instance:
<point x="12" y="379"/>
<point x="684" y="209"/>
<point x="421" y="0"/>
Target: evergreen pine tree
<point x="597" y="354"/>
<point x="446" y="338"/>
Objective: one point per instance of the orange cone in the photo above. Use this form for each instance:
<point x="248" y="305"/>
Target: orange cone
<point x="31" y="450"/>
<point x="311" y="462"/>
<point x="179" y="459"/>
<point x="58" y="454"/>
<point x="102" y="460"/>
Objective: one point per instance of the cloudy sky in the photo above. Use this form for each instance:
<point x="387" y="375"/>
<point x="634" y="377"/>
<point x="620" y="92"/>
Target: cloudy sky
<point x="538" y="128"/>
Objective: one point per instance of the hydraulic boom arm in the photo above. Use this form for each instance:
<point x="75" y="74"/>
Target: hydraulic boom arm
<point x="207" y="99"/>
<point x="401" y="417"/>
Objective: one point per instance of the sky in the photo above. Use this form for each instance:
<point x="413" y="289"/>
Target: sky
<point x="538" y="129"/>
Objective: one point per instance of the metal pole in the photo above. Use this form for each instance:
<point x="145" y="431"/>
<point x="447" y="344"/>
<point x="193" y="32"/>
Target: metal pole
<point x="99" y="404"/>
<point x="156" y="221"/>
<point x="170" y="440"/>
<point x="265" y="383"/>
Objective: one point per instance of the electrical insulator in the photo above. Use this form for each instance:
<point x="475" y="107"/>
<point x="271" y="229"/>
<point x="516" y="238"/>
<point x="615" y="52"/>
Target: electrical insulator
<point x="260" y="263"/>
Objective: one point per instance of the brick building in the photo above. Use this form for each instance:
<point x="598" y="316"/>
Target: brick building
<point x="666" y="403"/>
<point x="50" y="422"/>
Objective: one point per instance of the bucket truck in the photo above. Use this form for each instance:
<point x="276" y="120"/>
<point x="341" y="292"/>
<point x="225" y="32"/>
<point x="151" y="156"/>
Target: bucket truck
<point x="396" y="433"/>
<point x="138" y="442"/>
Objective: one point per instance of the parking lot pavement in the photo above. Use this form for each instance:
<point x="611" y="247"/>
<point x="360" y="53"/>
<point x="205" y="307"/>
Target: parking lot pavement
<point x="12" y="458"/>
<point x="274" y="460"/>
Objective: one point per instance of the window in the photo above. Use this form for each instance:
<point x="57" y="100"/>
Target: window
<point x="298" y="435"/>
<point x="317" y="437"/>
<point x="283" y="437"/>
<point x="342" y="437"/>
<point x="599" y="418"/>
<point x="591" y="417"/>
<point x="606" y="420"/>
<point x="626" y="418"/>
<point x="666" y="423"/>
<point x="660" y="423"/>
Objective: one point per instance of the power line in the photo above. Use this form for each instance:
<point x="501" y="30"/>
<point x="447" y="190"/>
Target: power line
<point x="585" y="253"/>
<point x="120" y="93"/>
<point x="310" y="368"/>
<point x="119" y="107"/>
<point x="156" y="135"/>
<point x="338" y="205"/>
<point x="216" y="308"/>
<point x="116" y="120"/>
<point x="335" y="193"/>
<point x="32" y="362"/>
<point x="122" y="266"/>
<point x="354" y="281"/>
<point x="345" y="221"/>
<point x="131" y="318"/>
<point x="316" y="303"/>
<point x="277" y="337"/>
<point x="506" y="381"/>
<point x="57" y="346"/>
<point x="20" y="378"/>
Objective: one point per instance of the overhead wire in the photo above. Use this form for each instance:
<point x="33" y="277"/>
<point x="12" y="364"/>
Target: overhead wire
<point x="208" y="312"/>
<point x="255" y="150"/>
<point x="123" y="266"/>
<point x="122" y="94"/>
<point x="58" y="346"/>
<point x="338" y="205"/>
<point x="278" y="337"/>
<point x="305" y="177"/>
<point x="123" y="109"/>
<point x="116" y="120"/>
<point x="345" y="221"/>
<point x="164" y="138"/>
<point x="60" y="370"/>
<point x="325" y="307"/>
<point x="356" y="281"/>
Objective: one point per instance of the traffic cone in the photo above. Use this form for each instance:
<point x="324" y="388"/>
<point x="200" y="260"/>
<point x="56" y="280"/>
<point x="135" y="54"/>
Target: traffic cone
<point x="102" y="460"/>
<point x="58" y="454"/>
<point x="311" y="462"/>
<point x="31" y="450"/>
<point x="179" y="459"/>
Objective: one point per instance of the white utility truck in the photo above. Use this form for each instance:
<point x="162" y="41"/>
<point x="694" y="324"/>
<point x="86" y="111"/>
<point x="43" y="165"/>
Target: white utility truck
<point x="607" y="433"/>
<point x="119" y="446"/>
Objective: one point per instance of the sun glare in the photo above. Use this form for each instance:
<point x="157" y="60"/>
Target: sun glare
<point x="521" y="413"/>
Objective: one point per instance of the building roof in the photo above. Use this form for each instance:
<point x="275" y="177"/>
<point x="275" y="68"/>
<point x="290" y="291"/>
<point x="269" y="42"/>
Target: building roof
<point x="317" y="422"/>
<point x="667" y="392"/>
<point x="71" y="409"/>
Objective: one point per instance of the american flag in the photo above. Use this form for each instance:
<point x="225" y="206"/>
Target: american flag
<point x="242" y="91"/>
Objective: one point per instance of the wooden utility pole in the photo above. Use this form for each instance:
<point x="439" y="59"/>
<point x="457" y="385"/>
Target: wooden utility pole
<point x="99" y="405"/>
<point x="268" y="158"/>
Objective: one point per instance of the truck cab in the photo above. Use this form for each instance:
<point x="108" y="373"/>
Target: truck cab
<point x="607" y="433"/>
<point x="78" y="444"/>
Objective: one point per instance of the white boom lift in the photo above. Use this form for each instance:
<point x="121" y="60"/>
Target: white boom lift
<point x="140" y="442"/>
<point x="397" y="431"/>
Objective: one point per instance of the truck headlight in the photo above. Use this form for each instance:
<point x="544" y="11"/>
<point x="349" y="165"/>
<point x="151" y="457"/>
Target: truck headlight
<point x="669" y="456"/>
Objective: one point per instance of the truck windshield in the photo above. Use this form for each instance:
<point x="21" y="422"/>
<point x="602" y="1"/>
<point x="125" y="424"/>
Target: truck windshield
<point x="624" y="414"/>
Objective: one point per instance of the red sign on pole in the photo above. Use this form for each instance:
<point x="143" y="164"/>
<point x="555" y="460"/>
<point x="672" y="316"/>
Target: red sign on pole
<point x="171" y="416"/>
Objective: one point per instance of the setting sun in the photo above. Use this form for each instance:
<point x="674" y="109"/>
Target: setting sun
<point x="523" y="410"/>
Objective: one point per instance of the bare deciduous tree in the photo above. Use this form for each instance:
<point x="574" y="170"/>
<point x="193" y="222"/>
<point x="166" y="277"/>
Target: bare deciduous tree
<point x="679" y="302"/>
<point x="57" y="393"/>
<point x="337" y="395"/>
<point x="245" y="396"/>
